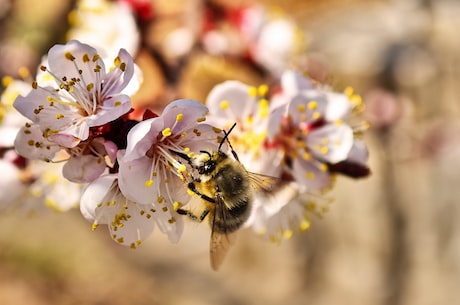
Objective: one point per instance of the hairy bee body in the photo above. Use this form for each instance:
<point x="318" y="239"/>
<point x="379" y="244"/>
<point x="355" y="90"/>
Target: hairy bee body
<point x="227" y="184"/>
<point x="226" y="189"/>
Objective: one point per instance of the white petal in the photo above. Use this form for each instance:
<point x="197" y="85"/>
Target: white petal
<point x="230" y="100"/>
<point x="11" y="186"/>
<point x="276" y="121"/>
<point x="307" y="107"/>
<point x="133" y="226"/>
<point x="205" y="138"/>
<point x="170" y="223"/>
<point x="62" y="66"/>
<point x="8" y="135"/>
<point x="338" y="107"/>
<point x="93" y="195"/>
<point x="112" y="108"/>
<point x="293" y="82"/>
<point x="189" y="112"/>
<point x="30" y="144"/>
<point x="119" y="77"/>
<point x="84" y="169"/>
<point x="358" y="153"/>
<point x="133" y="176"/>
<point x="26" y="105"/>
<point x="141" y="138"/>
<point x="65" y="140"/>
<point x="111" y="150"/>
<point x="310" y="174"/>
<point x="331" y="143"/>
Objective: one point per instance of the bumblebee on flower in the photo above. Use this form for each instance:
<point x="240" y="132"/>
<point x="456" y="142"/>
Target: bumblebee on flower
<point x="298" y="133"/>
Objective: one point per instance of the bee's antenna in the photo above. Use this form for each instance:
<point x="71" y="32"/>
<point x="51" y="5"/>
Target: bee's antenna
<point x="225" y="138"/>
<point x="182" y="155"/>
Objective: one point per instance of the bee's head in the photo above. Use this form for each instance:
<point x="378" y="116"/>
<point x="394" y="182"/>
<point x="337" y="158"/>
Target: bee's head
<point x="205" y="162"/>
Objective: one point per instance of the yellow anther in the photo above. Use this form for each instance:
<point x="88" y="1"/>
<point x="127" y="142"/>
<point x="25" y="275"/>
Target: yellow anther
<point x="59" y="116"/>
<point x="94" y="226"/>
<point x="263" y="90"/>
<point x="312" y="105"/>
<point x="301" y="108"/>
<point x="7" y="80"/>
<point x="356" y="99"/>
<point x="224" y="104"/>
<point x="304" y="225"/>
<point x="148" y="183"/>
<point x="117" y="61"/>
<point x="179" y="117"/>
<point x="324" y="150"/>
<point x="249" y="119"/>
<point x="166" y="132"/>
<point x="85" y="58"/>
<point x="117" y="104"/>
<point x="24" y="72"/>
<point x="348" y="91"/>
<point x="316" y="115"/>
<point x="73" y="18"/>
<point x="181" y="168"/>
<point x="323" y="167"/>
<point x="201" y="119"/>
<point x="306" y="156"/>
<point x="160" y="199"/>
<point x="69" y="56"/>
<point x="338" y="122"/>
<point x="252" y="91"/>
<point x="262" y="231"/>
<point x="310" y="175"/>
<point x="120" y="240"/>
<point x="176" y="205"/>
<point x="274" y="239"/>
<point x="287" y="234"/>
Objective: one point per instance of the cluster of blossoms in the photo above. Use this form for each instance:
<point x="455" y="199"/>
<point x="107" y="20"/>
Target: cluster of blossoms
<point x="302" y="133"/>
<point x="120" y="166"/>
<point x="80" y="109"/>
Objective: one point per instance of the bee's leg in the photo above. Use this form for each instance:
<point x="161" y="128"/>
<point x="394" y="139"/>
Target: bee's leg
<point x="230" y="144"/>
<point x="192" y="187"/>
<point x="189" y="214"/>
<point x="193" y="216"/>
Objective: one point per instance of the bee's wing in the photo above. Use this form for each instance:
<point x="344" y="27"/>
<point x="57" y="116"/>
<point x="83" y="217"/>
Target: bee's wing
<point x="220" y="241"/>
<point x="265" y="184"/>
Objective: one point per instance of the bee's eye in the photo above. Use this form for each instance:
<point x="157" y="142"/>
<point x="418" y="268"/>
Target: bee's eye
<point x="207" y="167"/>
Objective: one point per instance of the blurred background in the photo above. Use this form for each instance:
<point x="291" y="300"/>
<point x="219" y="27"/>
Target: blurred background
<point x="391" y="239"/>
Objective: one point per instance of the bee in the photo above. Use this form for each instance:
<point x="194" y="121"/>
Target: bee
<point x="227" y="190"/>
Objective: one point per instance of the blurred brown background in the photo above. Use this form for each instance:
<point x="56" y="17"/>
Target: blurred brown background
<point x="391" y="239"/>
